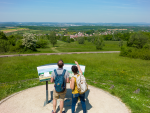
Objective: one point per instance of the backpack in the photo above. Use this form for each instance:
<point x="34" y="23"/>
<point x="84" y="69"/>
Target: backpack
<point x="81" y="84"/>
<point x="60" y="82"/>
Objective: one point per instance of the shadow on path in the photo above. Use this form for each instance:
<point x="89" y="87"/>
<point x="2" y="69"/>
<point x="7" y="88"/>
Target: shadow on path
<point x="68" y="101"/>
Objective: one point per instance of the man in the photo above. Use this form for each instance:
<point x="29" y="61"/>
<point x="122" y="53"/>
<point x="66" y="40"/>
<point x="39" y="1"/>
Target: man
<point x="60" y="95"/>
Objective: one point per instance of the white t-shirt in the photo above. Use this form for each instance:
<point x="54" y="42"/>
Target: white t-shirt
<point x="60" y="71"/>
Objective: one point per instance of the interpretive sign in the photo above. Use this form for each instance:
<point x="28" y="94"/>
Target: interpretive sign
<point x="45" y="71"/>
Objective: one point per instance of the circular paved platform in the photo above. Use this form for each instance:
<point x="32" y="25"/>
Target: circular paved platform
<point x="32" y="101"/>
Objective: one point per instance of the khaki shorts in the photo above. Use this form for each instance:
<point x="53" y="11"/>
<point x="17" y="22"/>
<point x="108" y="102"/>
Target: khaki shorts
<point x="60" y="96"/>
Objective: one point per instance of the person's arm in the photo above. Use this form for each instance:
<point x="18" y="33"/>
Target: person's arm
<point x="52" y="79"/>
<point x="67" y="76"/>
<point x="80" y="71"/>
<point x="72" y="83"/>
<point x="67" y="80"/>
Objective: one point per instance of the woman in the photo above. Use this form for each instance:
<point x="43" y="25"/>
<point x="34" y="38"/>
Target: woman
<point x="73" y="86"/>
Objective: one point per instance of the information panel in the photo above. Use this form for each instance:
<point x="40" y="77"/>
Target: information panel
<point x="45" y="71"/>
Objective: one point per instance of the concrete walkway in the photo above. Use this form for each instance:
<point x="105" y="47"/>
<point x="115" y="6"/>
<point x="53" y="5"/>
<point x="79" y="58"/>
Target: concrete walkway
<point x="58" y="53"/>
<point x="32" y="101"/>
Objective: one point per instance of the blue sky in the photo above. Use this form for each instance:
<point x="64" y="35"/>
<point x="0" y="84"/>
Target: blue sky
<point x="110" y="11"/>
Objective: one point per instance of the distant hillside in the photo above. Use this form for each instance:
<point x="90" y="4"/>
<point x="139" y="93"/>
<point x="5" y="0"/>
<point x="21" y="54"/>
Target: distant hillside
<point x="57" y="24"/>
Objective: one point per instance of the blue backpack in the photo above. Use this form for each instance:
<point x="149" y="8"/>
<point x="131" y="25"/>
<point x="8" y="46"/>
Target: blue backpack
<point x="60" y="82"/>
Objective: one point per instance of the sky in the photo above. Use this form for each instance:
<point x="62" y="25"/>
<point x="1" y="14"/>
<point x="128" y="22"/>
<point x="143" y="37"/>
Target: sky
<point x="88" y="11"/>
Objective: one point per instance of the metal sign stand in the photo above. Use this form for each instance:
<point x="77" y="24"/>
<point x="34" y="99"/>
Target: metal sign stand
<point x="46" y="102"/>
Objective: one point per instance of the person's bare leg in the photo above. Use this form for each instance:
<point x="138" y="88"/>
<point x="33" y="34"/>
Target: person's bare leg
<point x="61" y="105"/>
<point x="54" y="104"/>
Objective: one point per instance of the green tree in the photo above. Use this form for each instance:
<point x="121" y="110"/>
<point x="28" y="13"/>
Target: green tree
<point x="53" y="38"/>
<point x="2" y="36"/>
<point x="138" y="40"/>
<point x="72" y="40"/>
<point x="29" y="41"/>
<point x="41" y="43"/>
<point x="68" y="39"/>
<point x="100" y="43"/>
<point x="90" y="32"/>
<point x="4" y="45"/>
<point x="80" y="40"/>
<point x="121" y="43"/>
<point x="12" y="40"/>
<point x="19" y="46"/>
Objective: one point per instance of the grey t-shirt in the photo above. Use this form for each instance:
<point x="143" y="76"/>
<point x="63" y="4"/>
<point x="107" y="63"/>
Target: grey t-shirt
<point x="60" y="71"/>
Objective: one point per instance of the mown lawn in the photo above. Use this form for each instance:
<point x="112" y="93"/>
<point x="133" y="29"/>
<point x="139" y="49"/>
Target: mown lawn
<point x="102" y="71"/>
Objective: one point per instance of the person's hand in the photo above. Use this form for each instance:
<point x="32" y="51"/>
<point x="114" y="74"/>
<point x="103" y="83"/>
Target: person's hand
<point x="76" y="62"/>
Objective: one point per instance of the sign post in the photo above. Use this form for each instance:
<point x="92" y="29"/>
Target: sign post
<point x="46" y="92"/>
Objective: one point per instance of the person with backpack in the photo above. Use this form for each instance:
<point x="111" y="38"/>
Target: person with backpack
<point x="76" y="91"/>
<point x="60" y="77"/>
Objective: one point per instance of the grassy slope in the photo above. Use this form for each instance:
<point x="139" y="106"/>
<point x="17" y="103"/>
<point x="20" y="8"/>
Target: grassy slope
<point x="102" y="70"/>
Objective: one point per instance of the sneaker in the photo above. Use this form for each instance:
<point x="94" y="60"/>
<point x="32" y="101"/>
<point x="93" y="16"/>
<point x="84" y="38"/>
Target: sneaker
<point x="63" y="112"/>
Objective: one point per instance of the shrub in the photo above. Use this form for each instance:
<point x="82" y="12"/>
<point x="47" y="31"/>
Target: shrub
<point x="72" y="40"/>
<point x="2" y="36"/>
<point x="64" y="38"/>
<point x="19" y="47"/>
<point x="137" y="40"/>
<point x="68" y="39"/>
<point x="135" y="53"/>
<point x="41" y="43"/>
<point x="4" y="45"/>
<point x="80" y="40"/>
<point x="89" y="38"/>
<point x="12" y="40"/>
<point x="99" y="43"/>
<point x="146" y="46"/>
<point x="85" y="38"/>
<point x="120" y="43"/>
<point x="29" y="41"/>
<point x="53" y="38"/>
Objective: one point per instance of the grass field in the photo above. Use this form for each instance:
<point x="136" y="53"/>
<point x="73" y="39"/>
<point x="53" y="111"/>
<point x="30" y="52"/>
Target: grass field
<point x="75" y="47"/>
<point x="13" y="29"/>
<point x="102" y="71"/>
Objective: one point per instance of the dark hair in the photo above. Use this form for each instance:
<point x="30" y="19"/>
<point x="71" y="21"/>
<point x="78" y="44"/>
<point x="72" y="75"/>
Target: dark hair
<point x="74" y="69"/>
<point x="60" y="65"/>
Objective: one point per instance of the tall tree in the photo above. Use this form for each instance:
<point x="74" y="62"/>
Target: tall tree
<point x="53" y="38"/>
<point x="2" y="36"/>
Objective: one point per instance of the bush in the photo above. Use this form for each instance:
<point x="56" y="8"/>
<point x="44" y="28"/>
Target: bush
<point x="89" y="38"/>
<point x="99" y="43"/>
<point x="72" y="40"/>
<point x="146" y="46"/>
<point x="12" y="40"/>
<point x="85" y="38"/>
<point x="137" y="40"/>
<point x="19" y="47"/>
<point x="80" y="40"/>
<point x="64" y="38"/>
<point x="29" y="41"/>
<point x="68" y="39"/>
<point x="120" y="43"/>
<point x="41" y="43"/>
<point x="2" y="36"/>
<point x="4" y="45"/>
<point x="135" y="53"/>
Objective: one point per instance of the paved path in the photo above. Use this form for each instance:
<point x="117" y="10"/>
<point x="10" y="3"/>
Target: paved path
<point x="32" y="101"/>
<point x="58" y="53"/>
